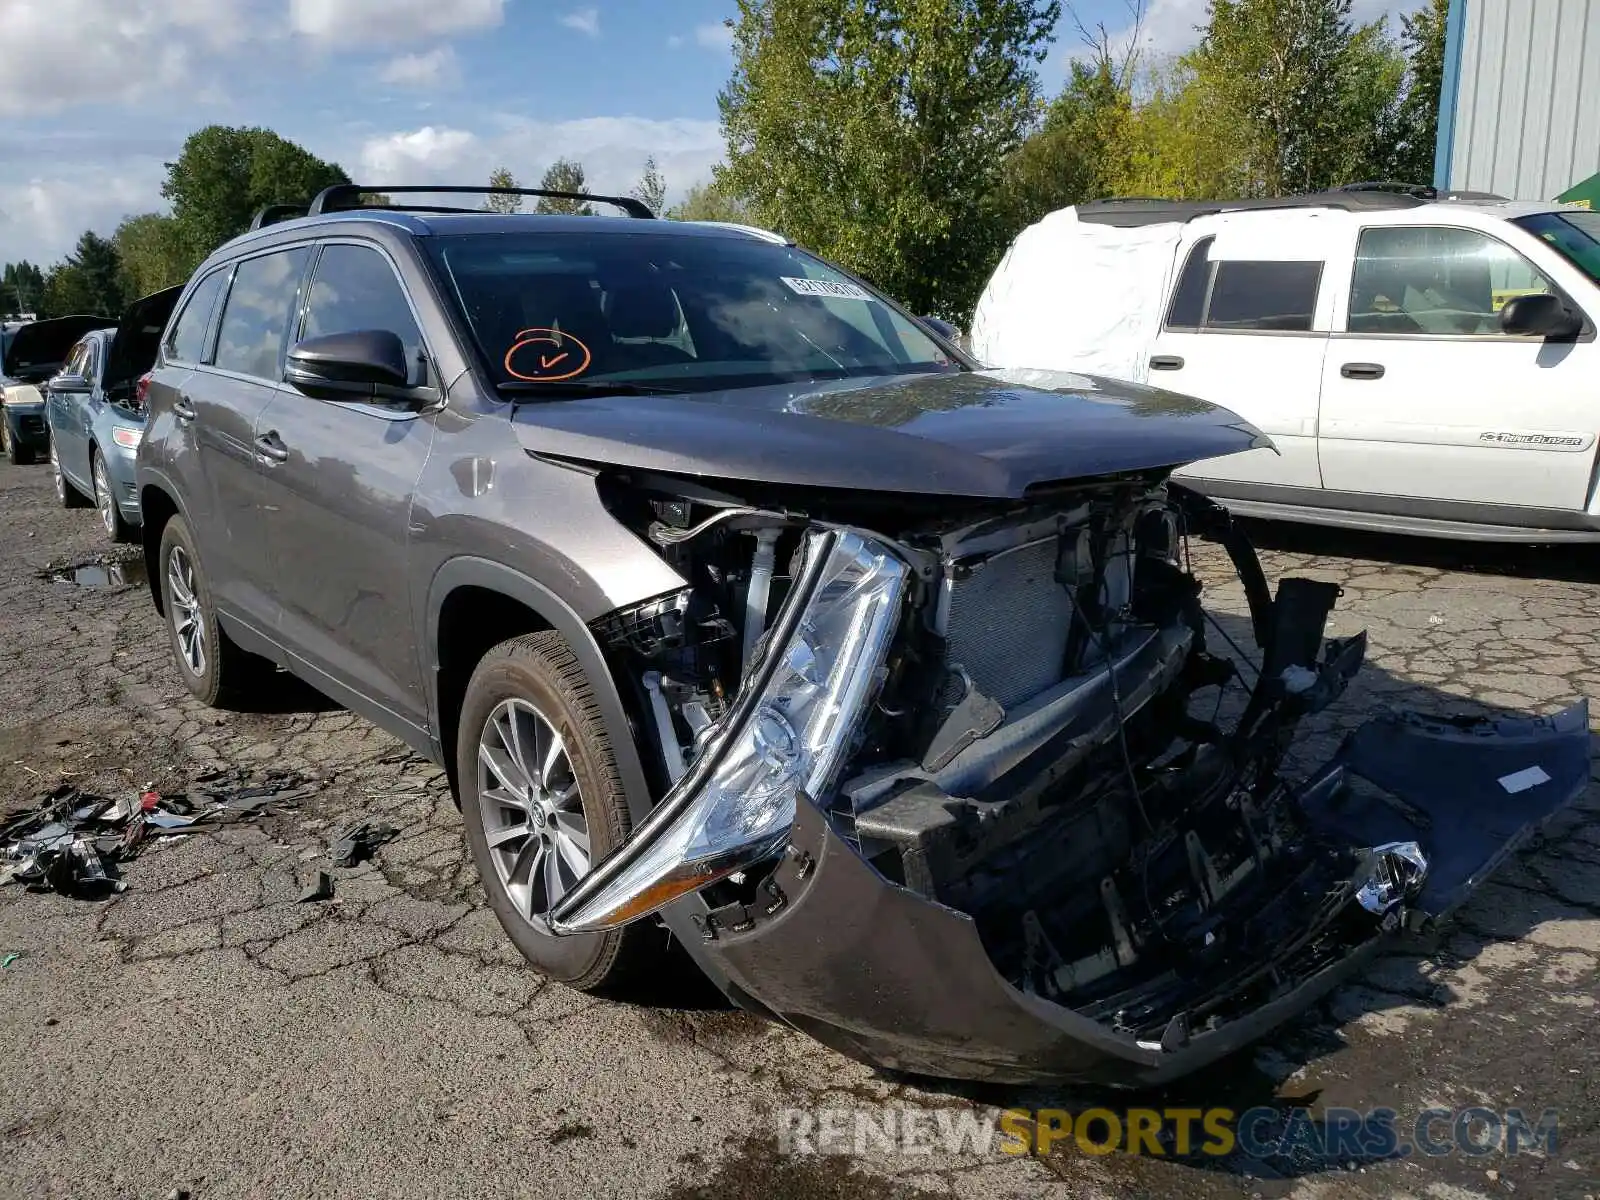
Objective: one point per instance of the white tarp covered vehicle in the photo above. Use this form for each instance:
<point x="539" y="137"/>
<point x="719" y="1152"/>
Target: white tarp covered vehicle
<point x="1421" y="365"/>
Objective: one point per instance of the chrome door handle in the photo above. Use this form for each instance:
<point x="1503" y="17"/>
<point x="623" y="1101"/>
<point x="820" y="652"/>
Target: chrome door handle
<point x="270" y="449"/>
<point x="182" y="410"/>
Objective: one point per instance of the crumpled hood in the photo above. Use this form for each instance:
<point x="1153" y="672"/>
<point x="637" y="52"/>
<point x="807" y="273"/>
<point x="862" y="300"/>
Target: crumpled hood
<point x="985" y="434"/>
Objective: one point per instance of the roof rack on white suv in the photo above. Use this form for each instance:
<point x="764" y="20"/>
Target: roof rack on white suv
<point x="1133" y="211"/>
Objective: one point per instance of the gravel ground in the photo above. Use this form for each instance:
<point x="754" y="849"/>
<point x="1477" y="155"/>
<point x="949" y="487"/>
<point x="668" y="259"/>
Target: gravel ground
<point x="205" y="1032"/>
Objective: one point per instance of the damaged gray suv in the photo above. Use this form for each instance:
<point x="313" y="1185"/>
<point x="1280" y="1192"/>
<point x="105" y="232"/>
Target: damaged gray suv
<point x="747" y="613"/>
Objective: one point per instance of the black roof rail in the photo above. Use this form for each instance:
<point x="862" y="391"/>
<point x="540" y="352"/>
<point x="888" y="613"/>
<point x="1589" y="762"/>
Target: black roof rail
<point x="1422" y="191"/>
<point x="343" y="197"/>
<point x="1133" y="211"/>
<point x="271" y="214"/>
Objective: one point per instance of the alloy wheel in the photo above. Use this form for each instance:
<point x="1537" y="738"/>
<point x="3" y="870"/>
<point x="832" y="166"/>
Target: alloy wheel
<point x="188" y="620"/>
<point x="103" y="498"/>
<point x="533" y="819"/>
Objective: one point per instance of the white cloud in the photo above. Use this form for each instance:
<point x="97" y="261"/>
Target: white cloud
<point x="611" y="149"/>
<point x="714" y="36"/>
<point x="391" y="22"/>
<point x="584" y="20"/>
<point x="434" y="68"/>
<point x="42" y="218"/>
<point x="57" y="53"/>
<point x="426" y="155"/>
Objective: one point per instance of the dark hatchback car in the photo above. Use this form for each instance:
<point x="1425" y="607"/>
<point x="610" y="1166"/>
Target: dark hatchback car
<point x="32" y="353"/>
<point x="739" y="605"/>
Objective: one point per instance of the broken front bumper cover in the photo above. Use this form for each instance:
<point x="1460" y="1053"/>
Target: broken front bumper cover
<point x="1418" y="811"/>
<point x="884" y="975"/>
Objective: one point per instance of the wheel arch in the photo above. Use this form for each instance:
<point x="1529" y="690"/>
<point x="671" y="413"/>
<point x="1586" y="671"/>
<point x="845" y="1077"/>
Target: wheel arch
<point x="158" y="504"/>
<point x="473" y="605"/>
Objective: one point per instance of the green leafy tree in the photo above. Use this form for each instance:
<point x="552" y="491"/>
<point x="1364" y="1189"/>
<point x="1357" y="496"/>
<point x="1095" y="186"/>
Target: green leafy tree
<point x="874" y="131"/>
<point x="652" y="188"/>
<point x="21" y="287"/>
<point x="224" y="174"/>
<point x="710" y="202"/>
<point x="1080" y="151"/>
<point x="151" y="251"/>
<point x="502" y="178"/>
<point x="89" y="280"/>
<point x="565" y="175"/>
<point x="1183" y="142"/>
<point x="1422" y="34"/>
<point x="1309" y="94"/>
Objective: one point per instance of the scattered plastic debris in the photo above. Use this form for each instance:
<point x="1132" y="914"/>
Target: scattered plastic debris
<point x="360" y="842"/>
<point x="320" y="888"/>
<point x="71" y="841"/>
<point x="8" y="960"/>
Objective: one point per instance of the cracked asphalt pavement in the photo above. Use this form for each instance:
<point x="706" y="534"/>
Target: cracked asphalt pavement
<point x="205" y="1032"/>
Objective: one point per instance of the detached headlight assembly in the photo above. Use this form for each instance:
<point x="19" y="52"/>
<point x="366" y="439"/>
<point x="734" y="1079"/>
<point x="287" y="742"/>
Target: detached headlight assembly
<point x="787" y="736"/>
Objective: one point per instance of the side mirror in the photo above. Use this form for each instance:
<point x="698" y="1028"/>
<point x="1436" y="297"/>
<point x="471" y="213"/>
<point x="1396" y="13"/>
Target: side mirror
<point x="359" y="360"/>
<point x="942" y="328"/>
<point x="1540" y="315"/>
<point x="66" y="384"/>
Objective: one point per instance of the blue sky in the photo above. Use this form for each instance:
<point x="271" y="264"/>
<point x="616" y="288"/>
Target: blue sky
<point x="95" y="95"/>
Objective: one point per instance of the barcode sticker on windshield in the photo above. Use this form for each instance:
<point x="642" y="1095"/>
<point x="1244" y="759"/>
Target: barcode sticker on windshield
<point x="826" y="289"/>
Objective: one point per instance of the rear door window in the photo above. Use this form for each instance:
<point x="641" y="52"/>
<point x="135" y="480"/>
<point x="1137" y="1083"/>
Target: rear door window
<point x="186" y="341"/>
<point x="1269" y="296"/>
<point x="355" y="288"/>
<point x="1436" y="282"/>
<point x="255" y="316"/>
<point x="1189" y="297"/>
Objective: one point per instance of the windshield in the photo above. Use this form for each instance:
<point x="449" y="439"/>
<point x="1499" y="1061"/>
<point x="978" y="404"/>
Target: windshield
<point x="1576" y="235"/>
<point x="686" y="313"/>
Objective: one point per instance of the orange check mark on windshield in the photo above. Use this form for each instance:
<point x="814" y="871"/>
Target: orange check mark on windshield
<point x="547" y="363"/>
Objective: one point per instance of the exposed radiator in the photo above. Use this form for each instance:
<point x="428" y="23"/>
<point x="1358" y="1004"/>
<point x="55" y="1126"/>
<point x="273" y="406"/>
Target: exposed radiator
<point x="1008" y="623"/>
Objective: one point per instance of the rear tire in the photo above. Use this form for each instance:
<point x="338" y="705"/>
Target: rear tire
<point x="211" y="665"/>
<point x="523" y="693"/>
<point x="105" y="500"/>
<point x="66" y="495"/>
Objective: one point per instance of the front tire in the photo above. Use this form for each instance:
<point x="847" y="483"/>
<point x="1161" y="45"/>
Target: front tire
<point x="212" y="667"/>
<point x="105" y="499"/>
<point x="542" y="801"/>
<point x="17" y="455"/>
<point x="66" y="495"/>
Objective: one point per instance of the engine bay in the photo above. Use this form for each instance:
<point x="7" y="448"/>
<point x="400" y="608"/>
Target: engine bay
<point x="1043" y="754"/>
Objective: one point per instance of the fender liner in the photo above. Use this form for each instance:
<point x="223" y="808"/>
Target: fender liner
<point x="470" y="571"/>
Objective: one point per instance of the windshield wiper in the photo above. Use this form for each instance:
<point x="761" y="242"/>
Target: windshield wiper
<point x="567" y="388"/>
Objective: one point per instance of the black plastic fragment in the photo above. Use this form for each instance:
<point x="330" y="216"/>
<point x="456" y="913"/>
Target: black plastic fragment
<point x="360" y="842"/>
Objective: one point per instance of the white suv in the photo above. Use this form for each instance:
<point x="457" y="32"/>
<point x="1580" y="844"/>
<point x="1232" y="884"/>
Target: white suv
<point x="1423" y="366"/>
